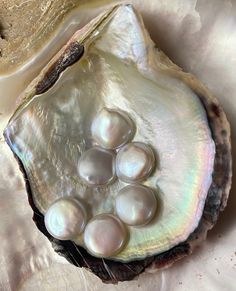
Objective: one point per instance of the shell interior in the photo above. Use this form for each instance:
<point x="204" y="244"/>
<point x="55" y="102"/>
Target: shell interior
<point x="119" y="70"/>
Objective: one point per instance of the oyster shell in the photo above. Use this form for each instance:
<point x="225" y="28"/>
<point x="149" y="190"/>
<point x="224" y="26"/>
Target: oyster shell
<point x="115" y="64"/>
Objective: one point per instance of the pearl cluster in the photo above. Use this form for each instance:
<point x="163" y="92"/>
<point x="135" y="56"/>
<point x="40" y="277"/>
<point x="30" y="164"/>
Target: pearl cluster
<point x="114" y="156"/>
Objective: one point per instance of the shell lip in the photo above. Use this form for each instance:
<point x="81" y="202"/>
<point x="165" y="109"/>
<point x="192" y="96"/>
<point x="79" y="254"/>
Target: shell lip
<point x="71" y="55"/>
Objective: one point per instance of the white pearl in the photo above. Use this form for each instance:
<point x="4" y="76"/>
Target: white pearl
<point x="112" y="129"/>
<point x="65" y="218"/>
<point x="105" y="235"/>
<point x="136" y="205"/>
<point x="97" y="166"/>
<point x="134" y="162"/>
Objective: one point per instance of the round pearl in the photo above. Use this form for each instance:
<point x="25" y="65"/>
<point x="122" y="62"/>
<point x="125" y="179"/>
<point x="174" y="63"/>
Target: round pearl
<point x="105" y="235"/>
<point x="134" y="162"/>
<point x="97" y="166"/>
<point x="111" y="129"/>
<point x="65" y="218"/>
<point x="136" y="205"/>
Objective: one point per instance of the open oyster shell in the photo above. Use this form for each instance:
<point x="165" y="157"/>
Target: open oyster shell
<point x="115" y="64"/>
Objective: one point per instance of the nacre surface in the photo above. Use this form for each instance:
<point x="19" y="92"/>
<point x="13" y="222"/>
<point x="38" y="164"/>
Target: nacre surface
<point x="123" y="72"/>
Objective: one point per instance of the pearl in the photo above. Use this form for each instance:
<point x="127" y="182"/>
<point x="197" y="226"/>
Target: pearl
<point x="134" y="162"/>
<point x="65" y="218"/>
<point x="136" y="205"/>
<point x="97" y="166"/>
<point x="105" y="235"/>
<point x="111" y="129"/>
